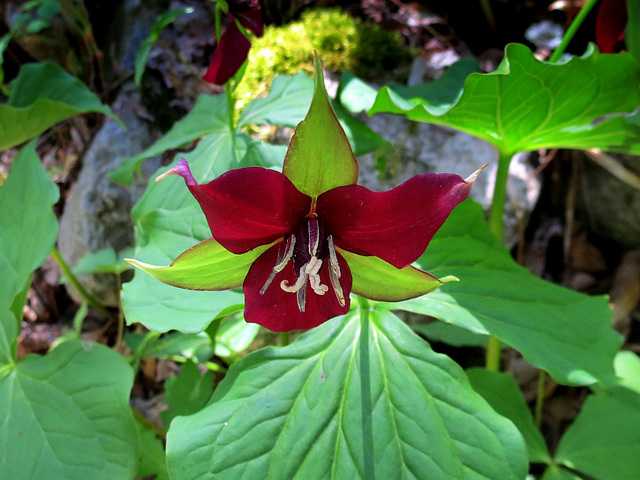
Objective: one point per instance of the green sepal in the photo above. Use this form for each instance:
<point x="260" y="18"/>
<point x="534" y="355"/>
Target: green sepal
<point x="205" y="266"/>
<point x="319" y="156"/>
<point x="378" y="280"/>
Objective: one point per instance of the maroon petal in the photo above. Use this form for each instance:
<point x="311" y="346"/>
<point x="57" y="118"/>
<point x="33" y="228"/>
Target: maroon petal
<point x="229" y="56"/>
<point x="251" y="19"/>
<point x="397" y="225"/>
<point x="247" y="207"/>
<point x="278" y="310"/>
<point x="611" y="25"/>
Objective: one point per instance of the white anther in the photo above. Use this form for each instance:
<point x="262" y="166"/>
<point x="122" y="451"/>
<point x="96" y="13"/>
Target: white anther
<point x="334" y="272"/>
<point x="281" y="262"/>
<point x="301" y="281"/>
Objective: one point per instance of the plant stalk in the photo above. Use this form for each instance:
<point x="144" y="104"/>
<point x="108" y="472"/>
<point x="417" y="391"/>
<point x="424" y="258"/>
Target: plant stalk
<point x="496" y="225"/>
<point x="542" y="377"/>
<point x="571" y="31"/>
<point x="284" y="339"/>
<point x="66" y="270"/>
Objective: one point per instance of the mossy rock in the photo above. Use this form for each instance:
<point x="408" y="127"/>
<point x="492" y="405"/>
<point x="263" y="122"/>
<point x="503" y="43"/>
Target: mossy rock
<point x="343" y="43"/>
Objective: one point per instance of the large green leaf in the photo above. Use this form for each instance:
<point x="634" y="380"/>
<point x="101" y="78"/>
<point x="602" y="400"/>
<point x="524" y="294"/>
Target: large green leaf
<point x="285" y="105"/>
<point x="319" y="156"/>
<point x="42" y="95"/>
<point x="527" y="104"/>
<point x="359" y="397"/>
<point x="208" y="116"/>
<point x="604" y="440"/>
<point x="28" y="230"/>
<point x="441" y="93"/>
<point x="503" y="394"/>
<point x="66" y="416"/>
<point x="561" y="331"/>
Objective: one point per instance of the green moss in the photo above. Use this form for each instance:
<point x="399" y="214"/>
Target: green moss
<point x="342" y="42"/>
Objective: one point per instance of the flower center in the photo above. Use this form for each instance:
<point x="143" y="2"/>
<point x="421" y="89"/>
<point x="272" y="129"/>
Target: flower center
<point x="308" y="248"/>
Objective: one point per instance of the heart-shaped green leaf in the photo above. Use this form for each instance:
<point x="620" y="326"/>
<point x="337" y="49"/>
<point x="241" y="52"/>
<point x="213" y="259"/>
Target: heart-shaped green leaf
<point x="42" y="95"/>
<point x="358" y="397"/>
<point x="319" y="156"/>
<point x="67" y="415"/>
<point x="527" y="104"/>
<point x="561" y="331"/>
<point x="28" y="230"/>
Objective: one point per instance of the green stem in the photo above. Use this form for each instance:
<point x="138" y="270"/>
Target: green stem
<point x="66" y="270"/>
<point x="494" y="349"/>
<point x="284" y="339"/>
<point x="542" y="377"/>
<point x="496" y="225"/>
<point x="488" y="13"/>
<point x="120" y="336"/>
<point x="571" y="31"/>
<point x="496" y="214"/>
<point x="212" y="331"/>
<point x="148" y="424"/>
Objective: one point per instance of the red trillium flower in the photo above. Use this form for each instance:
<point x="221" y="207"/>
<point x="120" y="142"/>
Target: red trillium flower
<point x="304" y="277"/>
<point x="234" y="46"/>
<point x="301" y="241"/>
<point x="611" y="25"/>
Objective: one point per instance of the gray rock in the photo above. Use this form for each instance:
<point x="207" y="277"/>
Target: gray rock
<point x="421" y="148"/>
<point x="97" y="214"/>
<point x="613" y="206"/>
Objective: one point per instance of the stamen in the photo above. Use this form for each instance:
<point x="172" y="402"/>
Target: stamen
<point x="314" y="236"/>
<point x="312" y="268"/>
<point x="281" y="263"/>
<point x="300" y="282"/>
<point x="318" y="288"/>
<point x="301" y="296"/>
<point x="334" y="272"/>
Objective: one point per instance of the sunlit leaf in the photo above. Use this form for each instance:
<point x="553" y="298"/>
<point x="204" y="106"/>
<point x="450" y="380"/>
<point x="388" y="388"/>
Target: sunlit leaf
<point x="527" y="104"/>
<point x="363" y="388"/>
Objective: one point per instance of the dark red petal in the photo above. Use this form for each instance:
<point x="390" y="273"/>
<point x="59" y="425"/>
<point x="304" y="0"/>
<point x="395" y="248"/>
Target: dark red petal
<point x="611" y="25"/>
<point x="278" y="310"/>
<point x="251" y="19"/>
<point x="397" y="225"/>
<point x="229" y="56"/>
<point x="249" y="207"/>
